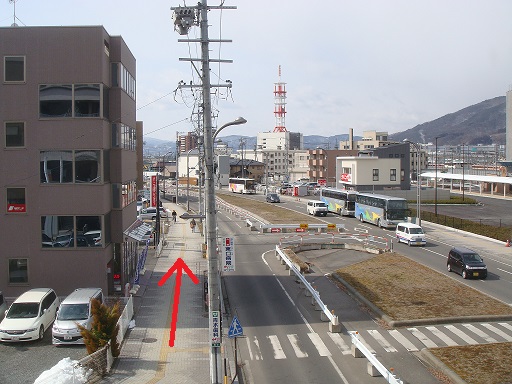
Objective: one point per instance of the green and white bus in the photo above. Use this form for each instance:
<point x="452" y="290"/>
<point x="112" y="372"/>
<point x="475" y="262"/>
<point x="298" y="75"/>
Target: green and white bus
<point x="383" y="211"/>
<point x="340" y="201"/>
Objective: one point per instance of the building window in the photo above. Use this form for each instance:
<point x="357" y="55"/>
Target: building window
<point x="61" y="231"/>
<point x="14" y="134"/>
<point x="87" y="100"/>
<point x="128" y="137"/>
<point x="18" y="271"/>
<point x="14" y="69"/>
<point x="392" y="174"/>
<point x="16" y="200"/>
<point x="402" y="175"/>
<point x="68" y="100"/>
<point x="375" y="175"/>
<point x="56" y="100"/>
<point x="70" y="166"/>
<point x="56" y="166"/>
<point x="87" y="167"/>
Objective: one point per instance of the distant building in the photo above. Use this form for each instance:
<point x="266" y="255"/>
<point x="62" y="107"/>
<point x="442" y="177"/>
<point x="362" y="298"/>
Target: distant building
<point x="69" y="159"/>
<point x="187" y="142"/>
<point x="280" y="140"/>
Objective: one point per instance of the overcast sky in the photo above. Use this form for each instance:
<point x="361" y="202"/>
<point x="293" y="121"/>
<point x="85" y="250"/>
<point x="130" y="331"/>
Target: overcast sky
<point x="361" y="64"/>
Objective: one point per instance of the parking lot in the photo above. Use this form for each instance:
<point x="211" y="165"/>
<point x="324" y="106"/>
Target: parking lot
<point x="24" y="362"/>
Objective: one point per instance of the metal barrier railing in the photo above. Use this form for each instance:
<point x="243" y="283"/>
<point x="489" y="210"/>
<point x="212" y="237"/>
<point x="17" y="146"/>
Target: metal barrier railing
<point x="388" y="375"/>
<point x="314" y="293"/>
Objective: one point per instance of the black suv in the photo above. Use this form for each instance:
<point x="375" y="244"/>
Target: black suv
<point x="466" y="262"/>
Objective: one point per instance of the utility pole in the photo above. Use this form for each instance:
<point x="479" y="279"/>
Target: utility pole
<point x="184" y="18"/>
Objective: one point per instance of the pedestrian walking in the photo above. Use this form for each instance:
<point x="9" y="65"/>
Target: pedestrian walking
<point x="193" y="225"/>
<point x="173" y="215"/>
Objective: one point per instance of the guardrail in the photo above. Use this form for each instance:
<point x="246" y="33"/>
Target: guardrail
<point x="334" y="324"/>
<point x="375" y="367"/>
<point x="338" y="238"/>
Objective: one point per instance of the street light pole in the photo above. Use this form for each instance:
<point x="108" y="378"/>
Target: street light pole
<point x="435" y="184"/>
<point x="418" y="180"/>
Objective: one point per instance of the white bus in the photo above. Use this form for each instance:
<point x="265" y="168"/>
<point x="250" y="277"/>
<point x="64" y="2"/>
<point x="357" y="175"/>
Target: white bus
<point x="340" y="201"/>
<point x="242" y="185"/>
<point x="383" y="211"/>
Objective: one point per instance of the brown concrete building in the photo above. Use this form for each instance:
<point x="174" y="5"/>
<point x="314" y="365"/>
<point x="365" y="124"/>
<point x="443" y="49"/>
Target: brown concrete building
<point x="68" y="156"/>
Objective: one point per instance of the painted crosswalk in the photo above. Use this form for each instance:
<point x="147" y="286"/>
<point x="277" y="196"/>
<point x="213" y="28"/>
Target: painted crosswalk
<point x="379" y="341"/>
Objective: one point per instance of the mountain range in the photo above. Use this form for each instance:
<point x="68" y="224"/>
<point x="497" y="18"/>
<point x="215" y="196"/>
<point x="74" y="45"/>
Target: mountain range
<point x="482" y="123"/>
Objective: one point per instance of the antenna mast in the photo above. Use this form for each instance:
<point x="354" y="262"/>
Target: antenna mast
<point x="280" y="104"/>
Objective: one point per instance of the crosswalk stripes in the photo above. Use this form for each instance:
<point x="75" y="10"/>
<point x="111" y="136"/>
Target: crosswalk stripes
<point x="379" y="341"/>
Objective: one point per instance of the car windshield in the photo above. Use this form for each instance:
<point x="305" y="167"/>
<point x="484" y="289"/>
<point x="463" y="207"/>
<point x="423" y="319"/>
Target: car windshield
<point x="472" y="257"/>
<point x="73" y="312"/>
<point x="416" y="231"/>
<point x="23" y="310"/>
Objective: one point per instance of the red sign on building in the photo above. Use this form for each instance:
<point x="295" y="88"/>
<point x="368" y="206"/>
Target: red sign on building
<point x="154" y="181"/>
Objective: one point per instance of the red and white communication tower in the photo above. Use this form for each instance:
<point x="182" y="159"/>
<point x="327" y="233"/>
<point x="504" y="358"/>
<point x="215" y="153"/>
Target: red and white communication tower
<point x="280" y="104"/>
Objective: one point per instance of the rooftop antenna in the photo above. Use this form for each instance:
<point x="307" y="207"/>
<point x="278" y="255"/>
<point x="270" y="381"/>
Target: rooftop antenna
<point x="14" y="13"/>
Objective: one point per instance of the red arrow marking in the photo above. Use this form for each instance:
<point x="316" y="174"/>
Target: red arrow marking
<point x="178" y="266"/>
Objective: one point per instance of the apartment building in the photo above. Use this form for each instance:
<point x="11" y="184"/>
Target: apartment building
<point x="69" y="161"/>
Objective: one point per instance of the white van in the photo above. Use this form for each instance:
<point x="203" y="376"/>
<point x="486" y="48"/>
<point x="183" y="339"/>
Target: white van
<point x="317" y="208"/>
<point x="410" y="233"/>
<point x="74" y="309"/>
<point x="29" y="316"/>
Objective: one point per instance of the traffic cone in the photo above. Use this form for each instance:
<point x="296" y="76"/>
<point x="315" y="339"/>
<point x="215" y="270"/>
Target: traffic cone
<point x="507" y="244"/>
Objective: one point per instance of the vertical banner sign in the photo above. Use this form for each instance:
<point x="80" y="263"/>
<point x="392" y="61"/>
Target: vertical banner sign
<point x="153" y="190"/>
<point x="215" y="329"/>
<point x="228" y="255"/>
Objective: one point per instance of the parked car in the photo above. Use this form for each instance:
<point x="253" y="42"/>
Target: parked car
<point x="467" y="263"/>
<point x="3" y="306"/>
<point x="29" y="316"/>
<point x="74" y="309"/>
<point x="273" y="198"/>
<point x="411" y="234"/>
<point x="63" y="240"/>
<point x="93" y="238"/>
<point x="150" y="213"/>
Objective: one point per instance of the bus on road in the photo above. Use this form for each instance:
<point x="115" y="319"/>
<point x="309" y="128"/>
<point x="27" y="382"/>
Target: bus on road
<point x="340" y="201"/>
<point x="242" y="185"/>
<point x="381" y="210"/>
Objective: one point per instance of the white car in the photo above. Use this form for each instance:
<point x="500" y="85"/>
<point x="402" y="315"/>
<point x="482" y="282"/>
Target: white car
<point x="29" y="316"/>
<point x="150" y="213"/>
<point x="93" y="238"/>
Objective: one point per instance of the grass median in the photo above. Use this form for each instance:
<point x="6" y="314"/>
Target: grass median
<point x="406" y="290"/>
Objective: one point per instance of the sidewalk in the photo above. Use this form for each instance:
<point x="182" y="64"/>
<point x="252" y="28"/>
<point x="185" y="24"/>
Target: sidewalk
<point x="146" y="356"/>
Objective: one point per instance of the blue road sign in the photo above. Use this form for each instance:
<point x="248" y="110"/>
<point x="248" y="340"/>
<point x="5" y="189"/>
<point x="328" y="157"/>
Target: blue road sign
<point x="235" y="329"/>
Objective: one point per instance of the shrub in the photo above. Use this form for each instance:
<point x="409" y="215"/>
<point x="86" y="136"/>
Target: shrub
<point x="104" y="328"/>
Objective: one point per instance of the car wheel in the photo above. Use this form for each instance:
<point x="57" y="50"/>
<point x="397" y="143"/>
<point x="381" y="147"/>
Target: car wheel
<point x="449" y="267"/>
<point x="464" y="274"/>
<point x="41" y="332"/>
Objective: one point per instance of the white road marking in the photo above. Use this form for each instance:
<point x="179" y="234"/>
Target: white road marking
<point x="421" y="337"/>
<point x="480" y="333"/>
<point x="294" y="341"/>
<point x="461" y="334"/>
<point x="340" y="343"/>
<point x="319" y="344"/>
<point x="403" y="340"/>
<point x="366" y="344"/>
<point x="257" y="354"/>
<point x="497" y="331"/>
<point x="382" y="341"/>
<point x="446" y="339"/>
<point x="276" y="345"/>
<point x="506" y="325"/>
